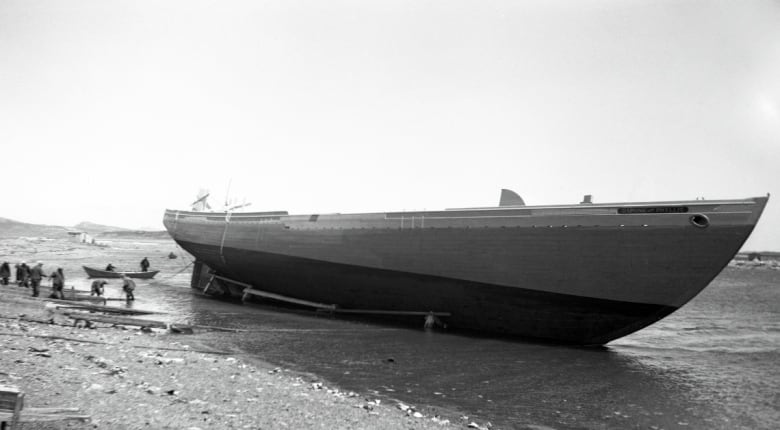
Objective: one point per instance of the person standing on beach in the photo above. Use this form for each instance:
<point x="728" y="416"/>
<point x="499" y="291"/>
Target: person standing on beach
<point x="144" y="265"/>
<point x="23" y="275"/>
<point x="5" y="273"/>
<point x="97" y="287"/>
<point x="36" y="275"/>
<point x="128" y="285"/>
<point x="58" y="284"/>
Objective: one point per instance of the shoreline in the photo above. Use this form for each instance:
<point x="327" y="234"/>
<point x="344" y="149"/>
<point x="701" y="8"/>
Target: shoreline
<point x="129" y="378"/>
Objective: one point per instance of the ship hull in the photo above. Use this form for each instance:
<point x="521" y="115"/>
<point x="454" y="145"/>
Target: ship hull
<point x="471" y="305"/>
<point x="582" y="283"/>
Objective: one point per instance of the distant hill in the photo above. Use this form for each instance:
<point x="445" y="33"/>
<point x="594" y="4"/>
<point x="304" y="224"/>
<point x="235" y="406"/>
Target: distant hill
<point x="107" y="231"/>
<point x="93" y="229"/>
<point x="11" y="228"/>
<point x="159" y="234"/>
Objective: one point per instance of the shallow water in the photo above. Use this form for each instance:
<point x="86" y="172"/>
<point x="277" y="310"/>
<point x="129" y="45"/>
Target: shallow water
<point x="712" y="364"/>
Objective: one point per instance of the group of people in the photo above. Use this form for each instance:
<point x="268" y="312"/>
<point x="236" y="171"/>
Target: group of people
<point x="31" y="277"/>
<point x="144" y="266"/>
<point x="128" y="286"/>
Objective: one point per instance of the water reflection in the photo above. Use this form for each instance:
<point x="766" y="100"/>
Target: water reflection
<point x="508" y="382"/>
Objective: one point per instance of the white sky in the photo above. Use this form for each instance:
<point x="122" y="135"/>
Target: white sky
<point x="112" y="111"/>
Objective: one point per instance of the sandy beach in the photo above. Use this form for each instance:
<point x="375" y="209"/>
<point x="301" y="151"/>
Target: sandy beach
<point x="123" y="377"/>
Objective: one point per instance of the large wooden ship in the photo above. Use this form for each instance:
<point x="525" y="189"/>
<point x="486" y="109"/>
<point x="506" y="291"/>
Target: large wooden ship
<point x="582" y="274"/>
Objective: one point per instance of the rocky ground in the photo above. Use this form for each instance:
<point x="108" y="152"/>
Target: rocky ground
<point x="131" y="379"/>
<point x="126" y="378"/>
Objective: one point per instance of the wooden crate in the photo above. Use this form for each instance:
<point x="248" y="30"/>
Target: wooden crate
<point x="11" y="403"/>
<point x="9" y="397"/>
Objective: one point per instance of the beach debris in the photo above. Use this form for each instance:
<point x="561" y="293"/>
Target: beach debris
<point x="179" y="329"/>
<point x="167" y="360"/>
<point x="116" y="371"/>
<point x="95" y="387"/>
<point x="442" y="422"/>
<point x="99" y="361"/>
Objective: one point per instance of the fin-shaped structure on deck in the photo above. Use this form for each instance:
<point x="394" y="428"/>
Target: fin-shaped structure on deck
<point x="510" y="198"/>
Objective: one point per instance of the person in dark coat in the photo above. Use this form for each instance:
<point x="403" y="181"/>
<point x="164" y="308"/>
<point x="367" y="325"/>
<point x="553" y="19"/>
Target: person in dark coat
<point x="36" y="275"/>
<point x="97" y="287"/>
<point x="5" y="273"/>
<point x="23" y="275"/>
<point x="144" y="265"/>
<point x="128" y="286"/>
<point x="58" y="284"/>
<point x="110" y="267"/>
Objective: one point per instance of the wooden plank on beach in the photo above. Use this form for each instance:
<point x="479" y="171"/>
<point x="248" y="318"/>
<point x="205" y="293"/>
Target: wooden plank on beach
<point x="119" y="320"/>
<point x="114" y="319"/>
<point x="101" y="308"/>
<point x="29" y="417"/>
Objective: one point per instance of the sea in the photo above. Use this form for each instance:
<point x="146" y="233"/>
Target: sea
<point x="713" y="364"/>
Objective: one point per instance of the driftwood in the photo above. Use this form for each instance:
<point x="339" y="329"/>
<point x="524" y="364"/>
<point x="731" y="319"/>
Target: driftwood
<point x="114" y="319"/>
<point x="119" y="320"/>
<point x="29" y="415"/>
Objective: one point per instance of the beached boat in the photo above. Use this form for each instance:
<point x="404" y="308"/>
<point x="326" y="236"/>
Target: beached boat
<point x="583" y="274"/>
<point x="97" y="273"/>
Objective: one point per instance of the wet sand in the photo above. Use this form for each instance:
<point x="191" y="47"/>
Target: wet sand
<point x="125" y="378"/>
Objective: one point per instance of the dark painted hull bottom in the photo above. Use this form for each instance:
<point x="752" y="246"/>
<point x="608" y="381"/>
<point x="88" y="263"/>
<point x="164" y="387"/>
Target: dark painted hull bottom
<point x="474" y="306"/>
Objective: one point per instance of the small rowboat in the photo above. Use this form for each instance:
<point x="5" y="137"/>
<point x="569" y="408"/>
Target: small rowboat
<point x="97" y="273"/>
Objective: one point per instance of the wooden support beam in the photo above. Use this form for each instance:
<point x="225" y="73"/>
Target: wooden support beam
<point x="253" y="292"/>
<point x="208" y="284"/>
<point x="389" y="312"/>
<point x="233" y="281"/>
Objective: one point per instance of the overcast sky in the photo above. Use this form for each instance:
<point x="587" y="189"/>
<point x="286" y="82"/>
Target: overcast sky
<point x="112" y="111"/>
